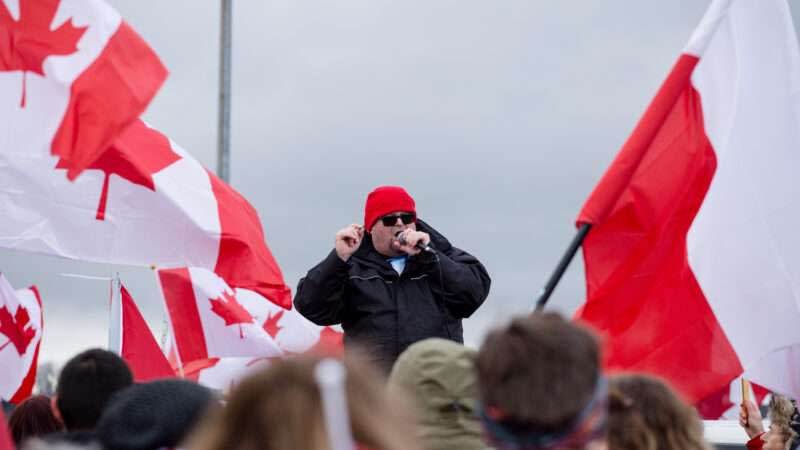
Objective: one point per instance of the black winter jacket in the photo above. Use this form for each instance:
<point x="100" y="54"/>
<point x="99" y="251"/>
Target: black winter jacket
<point x="384" y="312"/>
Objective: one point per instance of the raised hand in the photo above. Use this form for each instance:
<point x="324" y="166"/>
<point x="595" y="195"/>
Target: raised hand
<point x="750" y="419"/>
<point x="348" y="239"/>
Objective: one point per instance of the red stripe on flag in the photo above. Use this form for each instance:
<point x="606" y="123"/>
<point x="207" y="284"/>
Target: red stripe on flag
<point x="642" y="294"/>
<point x="139" y="348"/>
<point x="193" y="370"/>
<point x="26" y="388"/>
<point x="6" y="441"/>
<point x="621" y="172"/>
<point x="184" y="315"/>
<point x="107" y="97"/>
<point x="244" y="261"/>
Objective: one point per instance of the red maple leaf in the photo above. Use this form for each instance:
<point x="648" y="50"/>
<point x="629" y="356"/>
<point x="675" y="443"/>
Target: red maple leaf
<point x="330" y="343"/>
<point x="231" y="311"/>
<point x="25" y="44"/>
<point x="271" y="324"/>
<point x="18" y="328"/>
<point x="135" y="155"/>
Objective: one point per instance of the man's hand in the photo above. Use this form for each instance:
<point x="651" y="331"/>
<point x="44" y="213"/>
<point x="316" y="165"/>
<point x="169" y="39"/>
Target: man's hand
<point x="412" y="237"/>
<point x="750" y="419"/>
<point x="348" y="239"/>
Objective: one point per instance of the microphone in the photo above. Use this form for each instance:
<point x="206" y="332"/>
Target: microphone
<point x="401" y="238"/>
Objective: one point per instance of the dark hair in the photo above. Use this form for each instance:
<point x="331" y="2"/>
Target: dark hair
<point x="85" y="385"/>
<point x="33" y="417"/>
<point x="539" y="370"/>
<point x="646" y="414"/>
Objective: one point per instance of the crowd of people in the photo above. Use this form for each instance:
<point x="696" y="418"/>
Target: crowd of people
<point x="535" y="383"/>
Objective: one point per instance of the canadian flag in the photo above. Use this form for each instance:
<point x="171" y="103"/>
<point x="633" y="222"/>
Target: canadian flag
<point x="73" y="75"/>
<point x="691" y="262"/>
<point x="132" y="339"/>
<point x="145" y="201"/>
<point x="207" y="320"/>
<point x="292" y="333"/>
<point x="21" y="326"/>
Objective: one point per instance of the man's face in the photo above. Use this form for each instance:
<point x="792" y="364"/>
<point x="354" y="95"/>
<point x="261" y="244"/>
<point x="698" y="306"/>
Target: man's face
<point x="383" y="236"/>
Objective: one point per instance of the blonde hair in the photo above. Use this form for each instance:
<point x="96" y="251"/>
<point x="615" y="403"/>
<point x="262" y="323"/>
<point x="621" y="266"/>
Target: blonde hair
<point x="280" y="408"/>
<point x="646" y="414"/>
<point x="780" y="414"/>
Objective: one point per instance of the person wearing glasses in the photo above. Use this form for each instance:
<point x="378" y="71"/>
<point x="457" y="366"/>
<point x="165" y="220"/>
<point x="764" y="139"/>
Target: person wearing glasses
<point x="387" y="292"/>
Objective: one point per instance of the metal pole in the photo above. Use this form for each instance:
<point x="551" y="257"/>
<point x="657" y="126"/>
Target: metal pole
<point x="224" y="114"/>
<point x="548" y="288"/>
<point x="115" y="315"/>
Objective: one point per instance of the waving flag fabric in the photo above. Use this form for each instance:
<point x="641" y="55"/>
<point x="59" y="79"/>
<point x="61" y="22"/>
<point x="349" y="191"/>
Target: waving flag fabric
<point x="290" y="331"/>
<point x="207" y="319"/>
<point x="725" y="404"/>
<point x="21" y="328"/>
<point x="293" y="333"/>
<point x="144" y="201"/>
<point x="135" y="342"/>
<point x="691" y="264"/>
<point x="225" y="373"/>
<point x="73" y="75"/>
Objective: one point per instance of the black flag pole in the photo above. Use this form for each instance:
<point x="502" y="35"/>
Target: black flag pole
<point x="548" y="288"/>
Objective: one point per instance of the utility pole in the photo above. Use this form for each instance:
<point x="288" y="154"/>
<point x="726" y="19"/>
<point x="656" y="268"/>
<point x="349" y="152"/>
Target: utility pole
<point x="224" y="114"/>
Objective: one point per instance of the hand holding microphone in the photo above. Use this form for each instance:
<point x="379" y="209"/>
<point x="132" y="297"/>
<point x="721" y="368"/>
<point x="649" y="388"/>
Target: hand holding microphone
<point x="413" y="242"/>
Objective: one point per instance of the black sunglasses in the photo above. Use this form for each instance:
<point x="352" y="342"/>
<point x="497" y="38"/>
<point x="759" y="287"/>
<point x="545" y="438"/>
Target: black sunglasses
<point x="391" y="219"/>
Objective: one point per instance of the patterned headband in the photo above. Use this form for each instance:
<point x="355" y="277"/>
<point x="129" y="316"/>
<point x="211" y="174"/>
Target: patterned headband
<point x="587" y="426"/>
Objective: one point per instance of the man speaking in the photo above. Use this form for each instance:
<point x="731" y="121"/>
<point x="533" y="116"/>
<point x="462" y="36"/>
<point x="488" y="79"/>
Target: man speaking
<point x="393" y="281"/>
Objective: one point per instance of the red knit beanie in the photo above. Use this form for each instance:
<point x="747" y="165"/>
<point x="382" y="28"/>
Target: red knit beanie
<point x="384" y="200"/>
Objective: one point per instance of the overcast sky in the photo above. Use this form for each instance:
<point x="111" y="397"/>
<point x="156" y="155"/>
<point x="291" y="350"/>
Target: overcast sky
<point x="498" y="117"/>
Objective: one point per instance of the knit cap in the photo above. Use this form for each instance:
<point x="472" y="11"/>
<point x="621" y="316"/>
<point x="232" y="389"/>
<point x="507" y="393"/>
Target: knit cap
<point x="152" y="415"/>
<point x="384" y="200"/>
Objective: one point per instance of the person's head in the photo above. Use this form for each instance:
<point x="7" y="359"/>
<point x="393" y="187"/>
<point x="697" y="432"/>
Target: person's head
<point x="85" y="385"/>
<point x="440" y="377"/>
<point x="646" y="414"/>
<point x="388" y="211"/>
<point x="540" y="384"/>
<point x="280" y="408"/>
<point x="158" y="414"/>
<point x="33" y="417"/>
<point x="781" y="434"/>
<point x="776" y="438"/>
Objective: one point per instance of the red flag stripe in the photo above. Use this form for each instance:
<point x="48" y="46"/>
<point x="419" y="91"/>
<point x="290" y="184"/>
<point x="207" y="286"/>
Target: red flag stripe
<point x="641" y="291"/>
<point x="620" y="173"/>
<point x="176" y="285"/>
<point x="6" y="441"/>
<point x="244" y="259"/>
<point x="112" y="92"/>
<point x="139" y="348"/>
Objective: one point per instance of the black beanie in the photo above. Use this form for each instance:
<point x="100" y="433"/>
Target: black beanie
<point x="152" y="415"/>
